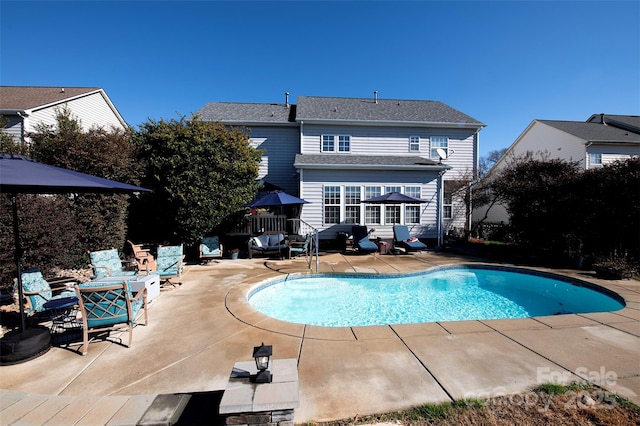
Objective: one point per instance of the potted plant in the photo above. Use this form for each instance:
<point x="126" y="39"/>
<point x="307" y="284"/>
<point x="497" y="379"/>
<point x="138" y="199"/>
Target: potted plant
<point x="234" y="253"/>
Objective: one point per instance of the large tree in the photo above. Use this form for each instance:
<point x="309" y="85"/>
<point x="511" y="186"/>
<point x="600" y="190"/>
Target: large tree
<point x="57" y="231"/>
<point x="200" y="173"/>
<point x="107" y="153"/>
<point x="557" y="208"/>
<point x="539" y="201"/>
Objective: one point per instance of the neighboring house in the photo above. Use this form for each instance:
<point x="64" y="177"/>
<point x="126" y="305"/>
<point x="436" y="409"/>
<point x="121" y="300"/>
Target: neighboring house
<point x="600" y="140"/>
<point x="25" y="107"/>
<point x="338" y="152"/>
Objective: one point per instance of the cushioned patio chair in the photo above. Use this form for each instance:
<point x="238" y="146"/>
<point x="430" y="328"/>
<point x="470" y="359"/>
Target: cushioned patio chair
<point x="210" y="248"/>
<point x="38" y="291"/>
<point x="267" y="244"/>
<point x="402" y="238"/>
<point x="142" y="257"/>
<point x="170" y="261"/>
<point x="361" y="240"/>
<point x="297" y="248"/>
<point x="109" y="307"/>
<point x="107" y="263"/>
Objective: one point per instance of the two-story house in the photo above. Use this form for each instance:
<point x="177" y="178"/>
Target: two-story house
<point x="338" y="152"/>
<point x="601" y="139"/>
<point x="25" y="107"/>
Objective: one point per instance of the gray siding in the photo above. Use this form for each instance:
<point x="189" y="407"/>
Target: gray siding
<point x="315" y="180"/>
<point x="374" y="140"/>
<point x="281" y="146"/>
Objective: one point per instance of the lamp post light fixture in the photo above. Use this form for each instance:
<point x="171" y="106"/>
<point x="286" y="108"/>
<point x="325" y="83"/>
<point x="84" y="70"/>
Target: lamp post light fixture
<point x="261" y="354"/>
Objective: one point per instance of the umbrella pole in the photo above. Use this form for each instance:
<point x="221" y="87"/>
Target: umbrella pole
<point x="17" y="256"/>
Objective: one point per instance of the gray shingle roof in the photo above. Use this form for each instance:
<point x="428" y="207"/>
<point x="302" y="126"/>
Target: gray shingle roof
<point x="384" y="110"/>
<point x="232" y="112"/>
<point x="594" y="132"/>
<point x="28" y="97"/>
<point x="310" y="108"/>
<point x="363" y="161"/>
<point x="629" y="122"/>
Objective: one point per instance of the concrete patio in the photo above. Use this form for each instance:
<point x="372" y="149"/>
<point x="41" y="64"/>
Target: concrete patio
<point x="199" y="330"/>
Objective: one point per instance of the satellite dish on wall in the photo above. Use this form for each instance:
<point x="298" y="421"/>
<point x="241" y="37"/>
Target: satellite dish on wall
<point x="442" y="154"/>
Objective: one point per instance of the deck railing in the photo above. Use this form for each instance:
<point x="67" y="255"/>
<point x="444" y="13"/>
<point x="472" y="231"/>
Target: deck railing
<point x="303" y="229"/>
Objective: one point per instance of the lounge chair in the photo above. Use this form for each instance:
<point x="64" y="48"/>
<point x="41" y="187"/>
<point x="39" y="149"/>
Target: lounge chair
<point x="107" y="263"/>
<point x="402" y="238"/>
<point x="267" y="244"/>
<point x="210" y="248"/>
<point x="361" y="240"/>
<point x="170" y="260"/>
<point x="38" y="291"/>
<point x="143" y="257"/>
<point x="107" y="307"/>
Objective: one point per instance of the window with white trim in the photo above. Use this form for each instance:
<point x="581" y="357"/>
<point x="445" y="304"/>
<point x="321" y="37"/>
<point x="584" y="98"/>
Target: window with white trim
<point x="447" y="202"/>
<point x="352" y="204"/>
<point x="411" y="214"/>
<point x="388" y="189"/>
<point x="331" y="200"/>
<point x="595" y="159"/>
<point x="371" y="191"/>
<point x="372" y="211"/>
<point x="391" y="214"/>
<point x="412" y="211"/>
<point x="439" y="142"/>
<point x="414" y="143"/>
<point x="372" y="215"/>
<point x="336" y="143"/>
<point x="412" y="191"/>
<point x="328" y="144"/>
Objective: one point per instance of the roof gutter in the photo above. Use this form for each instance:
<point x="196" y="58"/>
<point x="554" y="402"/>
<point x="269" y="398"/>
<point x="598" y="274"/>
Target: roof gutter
<point x="395" y="123"/>
<point x="256" y="123"/>
<point x="21" y="112"/>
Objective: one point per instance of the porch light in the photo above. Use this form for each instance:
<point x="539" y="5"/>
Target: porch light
<point x="261" y="354"/>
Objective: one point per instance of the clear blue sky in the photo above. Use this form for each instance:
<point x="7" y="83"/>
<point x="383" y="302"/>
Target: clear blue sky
<point x="504" y="63"/>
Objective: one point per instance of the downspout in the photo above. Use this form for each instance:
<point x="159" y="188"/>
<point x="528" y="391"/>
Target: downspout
<point x="477" y="165"/>
<point x="300" y="171"/>
<point x="439" y="226"/>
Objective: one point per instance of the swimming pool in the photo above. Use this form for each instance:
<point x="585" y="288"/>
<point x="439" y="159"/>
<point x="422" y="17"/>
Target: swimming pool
<point x="471" y="292"/>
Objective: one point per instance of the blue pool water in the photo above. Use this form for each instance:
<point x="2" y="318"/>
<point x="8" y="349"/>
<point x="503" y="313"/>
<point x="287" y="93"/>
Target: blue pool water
<point x="444" y="294"/>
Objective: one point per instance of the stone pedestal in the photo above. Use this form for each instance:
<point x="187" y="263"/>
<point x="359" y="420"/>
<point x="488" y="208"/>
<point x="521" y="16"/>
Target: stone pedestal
<point x="247" y="403"/>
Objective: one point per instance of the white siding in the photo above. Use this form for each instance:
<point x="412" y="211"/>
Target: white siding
<point x="542" y="138"/>
<point x="611" y="153"/>
<point x="92" y="111"/>
<point x="315" y="180"/>
<point x="281" y="146"/>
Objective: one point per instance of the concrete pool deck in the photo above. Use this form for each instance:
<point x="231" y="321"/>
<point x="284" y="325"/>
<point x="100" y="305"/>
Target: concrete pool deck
<point x="198" y="331"/>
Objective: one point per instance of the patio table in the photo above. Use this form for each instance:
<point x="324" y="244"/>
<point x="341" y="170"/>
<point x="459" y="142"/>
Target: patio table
<point x="64" y="314"/>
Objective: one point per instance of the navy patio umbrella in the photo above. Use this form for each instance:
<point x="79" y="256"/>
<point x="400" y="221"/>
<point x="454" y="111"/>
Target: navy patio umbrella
<point x="22" y="175"/>
<point x="276" y="199"/>
<point x="394" y="197"/>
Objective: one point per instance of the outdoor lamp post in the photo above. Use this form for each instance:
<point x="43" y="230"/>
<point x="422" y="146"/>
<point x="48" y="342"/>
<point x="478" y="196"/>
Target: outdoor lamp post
<point x="261" y="354"/>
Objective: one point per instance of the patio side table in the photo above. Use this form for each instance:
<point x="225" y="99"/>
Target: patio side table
<point x="63" y="313"/>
